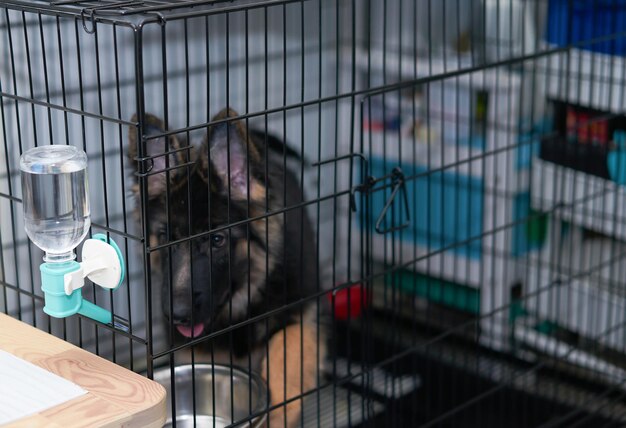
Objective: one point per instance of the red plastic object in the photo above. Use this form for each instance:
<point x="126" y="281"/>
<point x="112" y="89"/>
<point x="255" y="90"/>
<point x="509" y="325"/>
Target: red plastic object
<point x="355" y="294"/>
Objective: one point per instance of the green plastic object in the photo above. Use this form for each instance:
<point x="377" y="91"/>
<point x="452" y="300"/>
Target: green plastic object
<point x="616" y="159"/>
<point x="437" y="290"/>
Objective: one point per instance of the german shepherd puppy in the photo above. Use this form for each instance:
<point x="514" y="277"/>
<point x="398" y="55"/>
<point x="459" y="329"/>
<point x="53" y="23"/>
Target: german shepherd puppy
<point x="251" y="264"/>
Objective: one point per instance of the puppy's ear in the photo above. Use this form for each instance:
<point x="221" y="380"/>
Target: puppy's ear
<point x="234" y="159"/>
<point x="156" y="148"/>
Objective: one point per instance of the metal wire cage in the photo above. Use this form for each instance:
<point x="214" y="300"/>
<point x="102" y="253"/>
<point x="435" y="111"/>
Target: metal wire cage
<point x="338" y="213"/>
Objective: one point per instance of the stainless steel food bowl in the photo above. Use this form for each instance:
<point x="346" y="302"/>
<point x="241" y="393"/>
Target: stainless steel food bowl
<point x="218" y="402"/>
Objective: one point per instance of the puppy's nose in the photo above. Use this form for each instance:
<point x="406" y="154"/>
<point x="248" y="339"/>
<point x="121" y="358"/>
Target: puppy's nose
<point x="181" y="314"/>
<point x="182" y="309"/>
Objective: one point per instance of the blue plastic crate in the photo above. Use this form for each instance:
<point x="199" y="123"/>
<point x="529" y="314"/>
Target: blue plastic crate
<point x="588" y="20"/>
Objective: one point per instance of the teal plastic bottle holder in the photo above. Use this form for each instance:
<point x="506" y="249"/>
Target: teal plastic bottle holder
<point x="54" y="283"/>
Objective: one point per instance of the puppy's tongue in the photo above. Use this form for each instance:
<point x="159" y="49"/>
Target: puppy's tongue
<point x="194" y="331"/>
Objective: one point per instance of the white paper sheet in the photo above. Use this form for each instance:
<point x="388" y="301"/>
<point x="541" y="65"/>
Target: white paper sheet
<point x="26" y="389"/>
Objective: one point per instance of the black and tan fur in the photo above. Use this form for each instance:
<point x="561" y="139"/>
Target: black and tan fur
<point x="236" y="273"/>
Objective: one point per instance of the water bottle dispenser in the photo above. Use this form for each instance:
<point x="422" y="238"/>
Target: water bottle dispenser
<point x="57" y="219"/>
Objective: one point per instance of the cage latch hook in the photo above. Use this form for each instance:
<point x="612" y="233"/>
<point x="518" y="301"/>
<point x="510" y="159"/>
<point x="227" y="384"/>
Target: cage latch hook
<point x="398" y="184"/>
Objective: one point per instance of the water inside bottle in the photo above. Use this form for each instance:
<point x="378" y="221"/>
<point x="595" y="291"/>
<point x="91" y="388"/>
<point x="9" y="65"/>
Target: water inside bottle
<point x="55" y="198"/>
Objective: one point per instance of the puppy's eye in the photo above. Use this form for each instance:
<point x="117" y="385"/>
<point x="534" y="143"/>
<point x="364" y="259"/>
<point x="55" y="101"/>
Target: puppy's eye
<point x="218" y="240"/>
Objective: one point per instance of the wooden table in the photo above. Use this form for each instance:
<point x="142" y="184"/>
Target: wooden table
<point x="115" y="396"/>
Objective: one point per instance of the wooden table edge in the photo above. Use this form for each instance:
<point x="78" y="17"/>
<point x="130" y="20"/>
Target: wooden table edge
<point x="152" y="414"/>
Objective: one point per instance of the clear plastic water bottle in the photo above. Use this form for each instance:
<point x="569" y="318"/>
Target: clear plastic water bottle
<point x="55" y="199"/>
